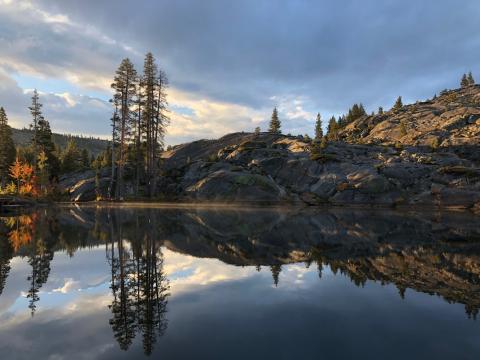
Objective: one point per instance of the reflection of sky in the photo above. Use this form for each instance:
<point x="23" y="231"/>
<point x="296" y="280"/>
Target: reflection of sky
<point x="218" y="311"/>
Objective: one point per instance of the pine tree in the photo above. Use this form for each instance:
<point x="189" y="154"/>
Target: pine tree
<point x="257" y="131"/>
<point x="71" y="157"/>
<point x="318" y="128"/>
<point x="45" y="143"/>
<point x="36" y="111"/>
<point x="470" y="79"/>
<point x="380" y="110"/>
<point x="356" y="111"/>
<point x="332" y="130"/>
<point x="43" y="173"/>
<point x="124" y="86"/>
<point x="85" y="159"/>
<point x="398" y="104"/>
<point x="7" y="148"/>
<point x="154" y="118"/>
<point x="275" y="123"/>
<point x="464" y="82"/>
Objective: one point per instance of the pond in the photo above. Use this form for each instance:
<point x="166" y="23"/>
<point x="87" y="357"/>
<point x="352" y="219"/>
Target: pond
<point x="136" y="282"/>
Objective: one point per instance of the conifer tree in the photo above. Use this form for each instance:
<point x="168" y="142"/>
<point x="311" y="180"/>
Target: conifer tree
<point x="7" y="148"/>
<point x="380" y="110"/>
<point x="470" y="79"/>
<point x="124" y="86"/>
<point x="464" y="82"/>
<point x="85" y="159"/>
<point x="275" y="123"/>
<point x="356" y="111"/>
<point x="257" y="130"/>
<point x="398" y="104"/>
<point x="318" y="128"/>
<point x="332" y="130"/>
<point x="71" y="157"/>
<point x="36" y="111"/>
<point x="45" y="143"/>
<point x="154" y="117"/>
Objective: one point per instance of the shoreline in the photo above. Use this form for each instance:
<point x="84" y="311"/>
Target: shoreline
<point x="263" y="205"/>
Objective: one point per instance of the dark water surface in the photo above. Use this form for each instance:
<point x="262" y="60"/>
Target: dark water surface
<point x="225" y="283"/>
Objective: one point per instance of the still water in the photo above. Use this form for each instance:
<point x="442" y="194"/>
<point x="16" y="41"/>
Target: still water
<point x="235" y="283"/>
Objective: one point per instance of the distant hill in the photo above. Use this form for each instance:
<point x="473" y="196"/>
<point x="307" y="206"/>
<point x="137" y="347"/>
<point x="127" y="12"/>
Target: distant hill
<point x="22" y="137"/>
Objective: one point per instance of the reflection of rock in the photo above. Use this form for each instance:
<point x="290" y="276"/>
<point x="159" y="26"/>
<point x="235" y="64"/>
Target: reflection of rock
<point x="437" y="253"/>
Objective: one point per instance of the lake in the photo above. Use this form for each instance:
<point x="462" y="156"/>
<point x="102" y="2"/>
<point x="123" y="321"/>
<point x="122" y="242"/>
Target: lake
<point x="136" y="282"/>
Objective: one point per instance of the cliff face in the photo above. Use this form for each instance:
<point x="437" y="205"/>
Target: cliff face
<point x="451" y="119"/>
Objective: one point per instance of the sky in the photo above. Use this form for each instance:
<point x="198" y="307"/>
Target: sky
<point x="230" y="62"/>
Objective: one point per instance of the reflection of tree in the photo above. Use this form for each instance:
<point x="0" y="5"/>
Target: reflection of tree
<point x="139" y="287"/>
<point x="30" y="235"/>
<point x="39" y="260"/>
<point x="276" y="269"/>
<point x="123" y="321"/>
<point x="6" y="253"/>
<point x="40" y="254"/>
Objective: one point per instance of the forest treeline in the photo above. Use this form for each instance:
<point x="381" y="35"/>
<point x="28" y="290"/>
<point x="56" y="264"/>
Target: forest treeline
<point x="139" y="120"/>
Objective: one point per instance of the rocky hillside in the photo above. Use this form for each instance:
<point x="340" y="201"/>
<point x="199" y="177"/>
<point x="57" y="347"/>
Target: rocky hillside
<point x="277" y="168"/>
<point x="268" y="168"/>
<point x="426" y="154"/>
<point x="450" y="119"/>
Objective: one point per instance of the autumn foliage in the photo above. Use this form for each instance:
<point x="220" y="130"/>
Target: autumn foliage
<point x="24" y="176"/>
<point x="22" y="229"/>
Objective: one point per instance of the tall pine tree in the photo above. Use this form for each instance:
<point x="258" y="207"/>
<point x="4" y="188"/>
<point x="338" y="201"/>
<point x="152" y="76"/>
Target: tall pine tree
<point x="36" y="111"/>
<point x="42" y="137"/>
<point x="7" y="148"/>
<point x="154" y="117"/>
<point x="275" y="123"/>
<point x="318" y="128"/>
<point x="124" y="86"/>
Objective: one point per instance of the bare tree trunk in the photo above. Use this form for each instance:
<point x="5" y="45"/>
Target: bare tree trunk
<point x="112" y="180"/>
<point x="138" y="154"/>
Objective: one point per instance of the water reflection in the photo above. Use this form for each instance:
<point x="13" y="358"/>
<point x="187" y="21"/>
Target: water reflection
<point x="139" y="286"/>
<point x="437" y="253"/>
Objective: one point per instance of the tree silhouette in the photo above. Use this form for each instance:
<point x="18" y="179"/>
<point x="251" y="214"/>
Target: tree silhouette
<point x="39" y="259"/>
<point x="276" y="269"/>
<point x="318" y="128"/>
<point x="7" y="148"/>
<point x="398" y="104"/>
<point x="139" y="286"/>
<point x="275" y="123"/>
<point x="464" y="82"/>
<point x="6" y="254"/>
<point x="470" y="79"/>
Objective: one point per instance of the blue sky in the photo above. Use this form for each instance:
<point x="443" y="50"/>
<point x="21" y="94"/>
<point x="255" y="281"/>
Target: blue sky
<point x="231" y="62"/>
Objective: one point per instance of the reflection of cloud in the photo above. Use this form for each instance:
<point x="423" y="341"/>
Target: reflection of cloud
<point x="187" y="272"/>
<point x="69" y="285"/>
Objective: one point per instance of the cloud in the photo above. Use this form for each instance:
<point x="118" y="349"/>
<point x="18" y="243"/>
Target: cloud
<point x="233" y="58"/>
<point x="66" y="112"/>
